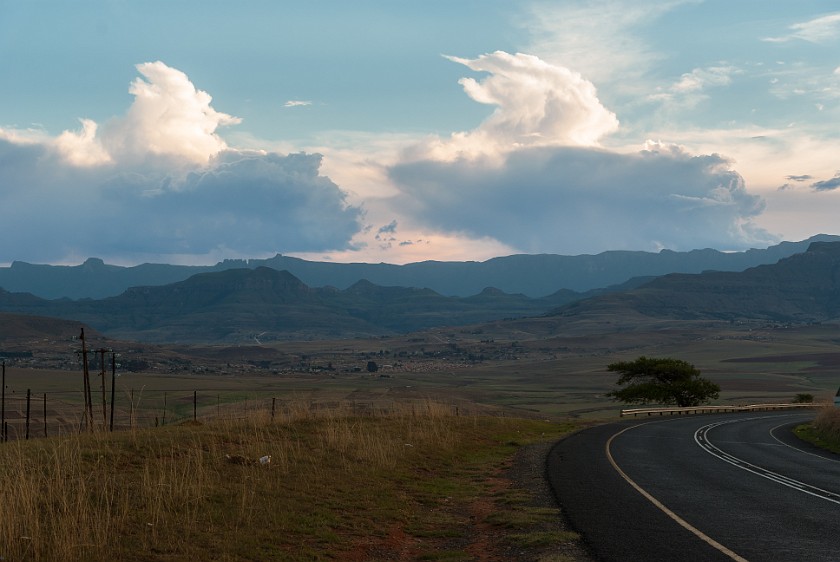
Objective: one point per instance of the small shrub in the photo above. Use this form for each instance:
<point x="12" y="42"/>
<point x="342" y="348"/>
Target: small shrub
<point x="824" y="431"/>
<point x="803" y="398"/>
<point x="827" y="421"/>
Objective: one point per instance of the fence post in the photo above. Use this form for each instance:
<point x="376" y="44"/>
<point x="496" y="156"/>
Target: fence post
<point x="45" y="415"/>
<point x="273" y="403"/>
<point x="195" y="405"/>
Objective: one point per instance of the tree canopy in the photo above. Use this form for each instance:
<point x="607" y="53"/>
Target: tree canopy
<point x="650" y="380"/>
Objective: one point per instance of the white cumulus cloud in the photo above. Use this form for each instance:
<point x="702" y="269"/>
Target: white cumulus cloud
<point x="159" y="181"/>
<point x="82" y="148"/>
<point x="537" y="104"/>
<point x="169" y="117"/>
<point x="548" y="186"/>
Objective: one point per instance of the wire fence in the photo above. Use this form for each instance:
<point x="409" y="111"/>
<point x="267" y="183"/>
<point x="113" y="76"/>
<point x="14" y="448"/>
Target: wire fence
<point x="31" y="415"/>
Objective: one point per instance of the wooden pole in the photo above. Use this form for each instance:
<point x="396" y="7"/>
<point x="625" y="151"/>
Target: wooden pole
<point x="102" y="377"/>
<point x="273" y="404"/>
<point x="3" y="407"/>
<point x="86" y="375"/>
<point x="163" y="421"/>
<point x="45" y="415"/>
<point x="28" y="405"/>
<point x="113" y="386"/>
<point x="195" y="405"/>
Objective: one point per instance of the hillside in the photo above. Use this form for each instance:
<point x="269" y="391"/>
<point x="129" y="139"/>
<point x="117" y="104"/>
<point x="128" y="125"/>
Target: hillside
<point x="263" y="304"/>
<point x="804" y="288"/>
<point x="531" y="275"/>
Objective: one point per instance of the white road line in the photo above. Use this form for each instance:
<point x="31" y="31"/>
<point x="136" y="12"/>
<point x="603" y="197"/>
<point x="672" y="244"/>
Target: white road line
<point x="701" y="438"/>
<point x="832" y="458"/>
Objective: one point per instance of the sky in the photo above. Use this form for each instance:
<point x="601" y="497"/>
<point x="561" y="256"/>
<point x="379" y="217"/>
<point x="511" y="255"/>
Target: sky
<point x="393" y="131"/>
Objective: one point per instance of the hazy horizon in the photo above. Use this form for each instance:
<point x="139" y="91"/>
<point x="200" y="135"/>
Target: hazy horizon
<point x="122" y="263"/>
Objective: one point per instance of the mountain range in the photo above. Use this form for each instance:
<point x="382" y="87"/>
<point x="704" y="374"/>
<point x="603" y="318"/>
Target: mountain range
<point x="803" y="288"/>
<point x="262" y="304"/>
<point x="531" y="275"/>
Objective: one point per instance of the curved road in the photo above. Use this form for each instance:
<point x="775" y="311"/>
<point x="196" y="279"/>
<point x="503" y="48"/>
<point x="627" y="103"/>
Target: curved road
<point x="705" y="488"/>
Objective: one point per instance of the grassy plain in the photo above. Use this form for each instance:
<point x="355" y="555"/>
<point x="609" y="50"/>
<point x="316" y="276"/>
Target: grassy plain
<point x="416" y="483"/>
<point x="543" y="376"/>
<point x="336" y="432"/>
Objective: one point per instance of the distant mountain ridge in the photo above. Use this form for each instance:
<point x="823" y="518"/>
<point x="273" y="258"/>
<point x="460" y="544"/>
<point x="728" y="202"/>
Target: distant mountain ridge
<point x="531" y="275"/>
<point x="263" y="304"/>
<point x="803" y="288"/>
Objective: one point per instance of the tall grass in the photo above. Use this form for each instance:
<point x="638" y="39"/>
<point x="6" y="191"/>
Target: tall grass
<point x="824" y="430"/>
<point x="828" y="420"/>
<point x="197" y="491"/>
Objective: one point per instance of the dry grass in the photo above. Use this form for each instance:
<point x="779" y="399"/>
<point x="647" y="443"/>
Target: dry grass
<point x="337" y="484"/>
<point x="824" y="431"/>
<point x="828" y="420"/>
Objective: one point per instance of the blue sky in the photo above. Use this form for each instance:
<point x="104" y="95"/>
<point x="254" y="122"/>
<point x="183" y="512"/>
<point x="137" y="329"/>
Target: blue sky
<point x="189" y="132"/>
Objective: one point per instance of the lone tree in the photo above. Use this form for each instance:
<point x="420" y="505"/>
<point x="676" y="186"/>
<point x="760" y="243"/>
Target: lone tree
<point x="661" y="381"/>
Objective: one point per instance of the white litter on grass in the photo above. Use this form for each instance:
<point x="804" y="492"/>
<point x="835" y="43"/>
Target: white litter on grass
<point x="265" y="459"/>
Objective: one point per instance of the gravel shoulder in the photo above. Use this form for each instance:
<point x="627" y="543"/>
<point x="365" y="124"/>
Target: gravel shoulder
<point x="528" y="471"/>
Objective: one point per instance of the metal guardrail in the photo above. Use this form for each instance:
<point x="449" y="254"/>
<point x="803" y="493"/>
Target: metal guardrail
<point x="716" y="409"/>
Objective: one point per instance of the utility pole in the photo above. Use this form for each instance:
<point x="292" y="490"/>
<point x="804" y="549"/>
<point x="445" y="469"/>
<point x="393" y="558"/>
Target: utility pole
<point x="86" y="375"/>
<point x="3" y="408"/>
<point x="113" y="386"/>
<point x="28" y="405"/>
<point x="101" y="353"/>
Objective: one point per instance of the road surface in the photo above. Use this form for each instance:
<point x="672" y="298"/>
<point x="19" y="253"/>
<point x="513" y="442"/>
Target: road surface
<point x="705" y="488"/>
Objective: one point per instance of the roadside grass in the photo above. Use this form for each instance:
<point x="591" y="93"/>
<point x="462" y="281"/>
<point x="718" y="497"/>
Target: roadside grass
<point x="824" y="431"/>
<point x="338" y="487"/>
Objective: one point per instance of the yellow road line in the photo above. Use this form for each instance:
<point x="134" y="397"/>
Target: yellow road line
<point x="682" y="522"/>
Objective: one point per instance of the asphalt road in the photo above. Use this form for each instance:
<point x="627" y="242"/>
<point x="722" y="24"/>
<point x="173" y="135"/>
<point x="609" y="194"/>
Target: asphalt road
<point x="700" y="488"/>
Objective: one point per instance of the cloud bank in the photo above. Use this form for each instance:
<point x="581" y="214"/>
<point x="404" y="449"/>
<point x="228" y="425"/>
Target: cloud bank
<point x="561" y="192"/>
<point x="573" y="200"/>
<point x="160" y="181"/>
